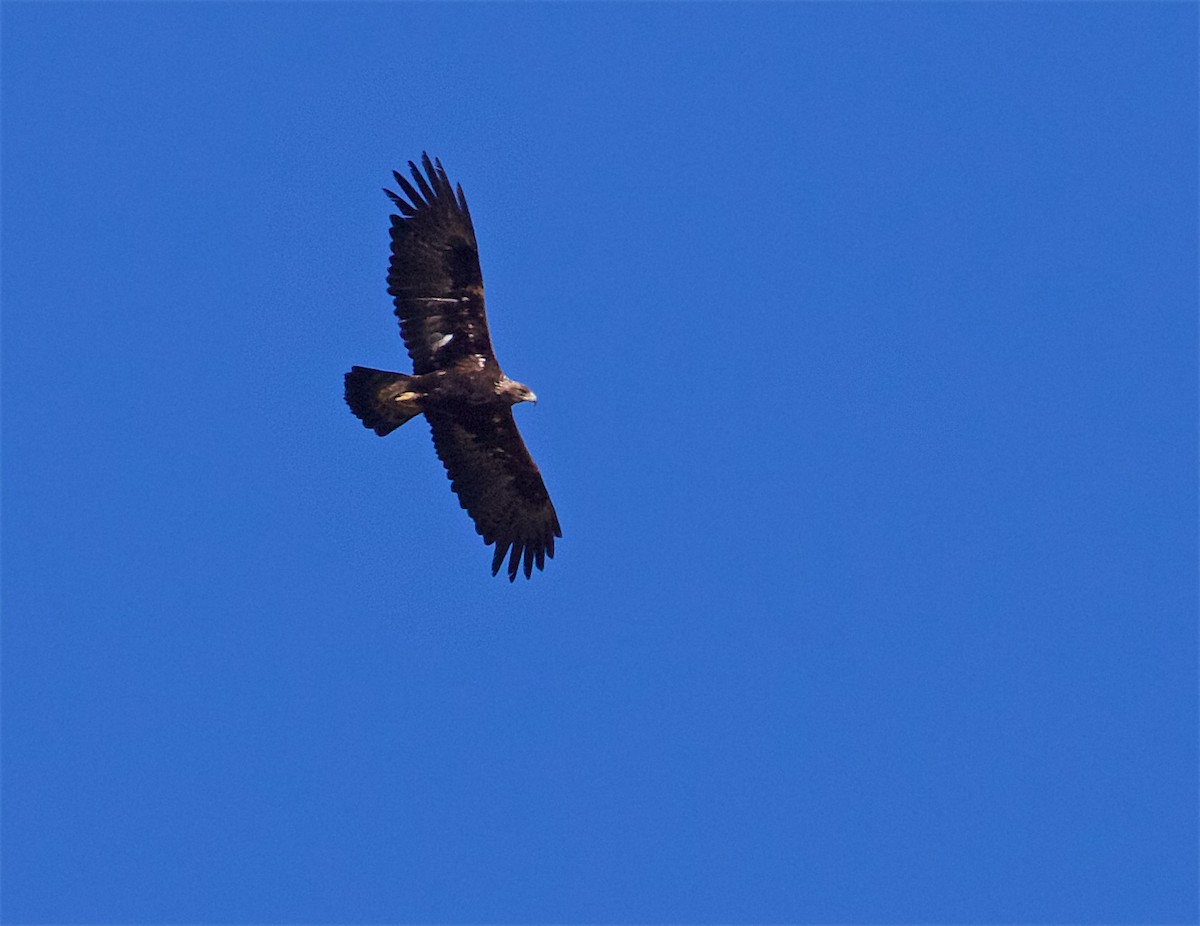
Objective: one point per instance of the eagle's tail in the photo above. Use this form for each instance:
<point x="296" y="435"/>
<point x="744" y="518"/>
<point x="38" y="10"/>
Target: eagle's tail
<point x="382" y="401"/>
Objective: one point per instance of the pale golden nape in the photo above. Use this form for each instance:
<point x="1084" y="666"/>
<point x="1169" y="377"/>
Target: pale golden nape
<point x="515" y="392"/>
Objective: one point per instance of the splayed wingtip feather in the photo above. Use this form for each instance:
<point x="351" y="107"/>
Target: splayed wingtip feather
<point x="422" y="183"/>
<point x="409" y="190"/>
<point x="498" y="557"/>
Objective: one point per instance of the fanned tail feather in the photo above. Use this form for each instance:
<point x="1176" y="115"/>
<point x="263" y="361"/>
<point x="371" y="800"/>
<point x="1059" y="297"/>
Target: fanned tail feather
<point x="382" y="401"/>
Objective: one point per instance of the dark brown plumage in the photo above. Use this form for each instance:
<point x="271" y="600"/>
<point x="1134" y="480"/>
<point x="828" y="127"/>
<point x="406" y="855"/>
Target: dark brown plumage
<point x="456" y="382"/>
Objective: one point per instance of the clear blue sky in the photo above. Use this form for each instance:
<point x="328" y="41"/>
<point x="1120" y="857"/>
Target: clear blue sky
<point x="865" y="337"/>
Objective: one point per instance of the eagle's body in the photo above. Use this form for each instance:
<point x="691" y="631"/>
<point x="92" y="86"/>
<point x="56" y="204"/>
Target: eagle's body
<point x="456" y="382"/>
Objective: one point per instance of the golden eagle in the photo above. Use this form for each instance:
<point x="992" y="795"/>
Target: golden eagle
<point x="466" y="398"/>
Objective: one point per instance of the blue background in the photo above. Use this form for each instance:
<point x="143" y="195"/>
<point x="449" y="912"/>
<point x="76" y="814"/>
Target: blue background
<point x="866" y="343"/>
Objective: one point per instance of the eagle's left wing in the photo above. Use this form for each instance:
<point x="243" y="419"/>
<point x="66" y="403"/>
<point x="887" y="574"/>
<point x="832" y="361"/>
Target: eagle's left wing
<point x="434" y="272"/>
<point x="498" y="484"/>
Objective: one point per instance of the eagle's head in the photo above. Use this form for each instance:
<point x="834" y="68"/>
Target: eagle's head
<point x="515" y="392"/>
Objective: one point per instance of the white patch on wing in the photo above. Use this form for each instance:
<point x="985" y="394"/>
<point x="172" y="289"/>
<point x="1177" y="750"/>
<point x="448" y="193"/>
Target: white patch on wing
<point x="479" y="361"/>
<point x="442" y="340"/>
<point x="436" y="299"/>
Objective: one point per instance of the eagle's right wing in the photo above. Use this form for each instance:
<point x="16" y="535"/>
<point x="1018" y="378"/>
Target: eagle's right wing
<point x="498" y="484"/>
<point x="434" y="272"/>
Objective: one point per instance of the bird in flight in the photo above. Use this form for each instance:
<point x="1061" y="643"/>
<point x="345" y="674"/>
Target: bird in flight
<point x="456" y="382"/>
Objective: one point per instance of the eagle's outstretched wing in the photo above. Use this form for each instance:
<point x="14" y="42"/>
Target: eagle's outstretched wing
<point x="498" y="484"/>
<point x="434" y="272"/>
